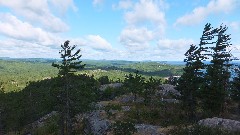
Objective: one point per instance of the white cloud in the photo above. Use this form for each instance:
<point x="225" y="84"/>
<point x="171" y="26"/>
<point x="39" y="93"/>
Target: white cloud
<point x="145" y="19"/>
<point x="176" y="45"/>
<point x="38" y="12"/>
<point x="63" y="5"/>
<point x="24" y="49"/>
<point x="99" y="43"/>
<point x="13" y="27"/>
<point x="200" y="13"/>
<point x="136" y="38"/>
<point x="146" y="10"/>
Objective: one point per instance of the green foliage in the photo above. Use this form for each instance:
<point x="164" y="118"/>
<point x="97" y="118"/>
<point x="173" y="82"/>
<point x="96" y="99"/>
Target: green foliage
<point x="202" y="83"/>
<point x="151" y="86"/>
<point x="110" y="93"/>
<point x="134" y="84"/>
<point x="123" y="128"/>
<point x="39" y="98"/>
<point x="70" y="63"/>
<point x="190" y="82"/>
<point x="214" y="90"/>
<point x="15" y="74"/>
<point x="235" y="92"/>
<point x="104" y="80"/>
<point x="49" y="127"/>
<point x="165" y="114"/>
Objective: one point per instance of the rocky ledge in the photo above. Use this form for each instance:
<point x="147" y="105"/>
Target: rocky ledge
<point x="228" y="124"/>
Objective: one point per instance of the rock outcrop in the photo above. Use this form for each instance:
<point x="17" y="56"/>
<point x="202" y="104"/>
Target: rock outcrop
<point x="167" y="89"/>
<point x="42" y="120"/>
<point x="144" y="129"/>
<point x="231" y="125"/>
<point x="95" y="124"/>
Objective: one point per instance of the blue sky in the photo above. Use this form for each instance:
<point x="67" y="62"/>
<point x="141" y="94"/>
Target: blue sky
<point x="112" y="29"/>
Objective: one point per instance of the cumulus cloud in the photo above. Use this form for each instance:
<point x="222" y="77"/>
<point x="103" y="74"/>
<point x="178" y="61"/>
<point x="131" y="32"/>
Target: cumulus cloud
<point x="200" y="13"/>
<point x="145" y="10"/>
<point x="177" y="45"/>
<point x="12" y="27"/>
<point x="99" y="43"/>
<point x="23" y="49"/>
<point x="136" y="38"/>
<point x="145" y="19"/>
<point x="37" y="11"/>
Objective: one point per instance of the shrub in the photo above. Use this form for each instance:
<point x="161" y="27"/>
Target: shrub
<point x="123" y="128"/>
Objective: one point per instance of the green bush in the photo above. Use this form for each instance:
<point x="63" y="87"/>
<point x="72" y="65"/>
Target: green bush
<point x="110" y="93"/>
<point x="104" y="80"/>
<point x="123" y="128"/>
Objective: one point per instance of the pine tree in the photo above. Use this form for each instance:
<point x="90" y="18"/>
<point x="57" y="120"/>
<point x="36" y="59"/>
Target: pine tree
<point x="149" y="92"/>
<point x="70" y="63"/>
<point x="217" y="73"/>
<point x="235" y="92"/>
<point x="134" y="84"/>
<point x="189" y="83"/>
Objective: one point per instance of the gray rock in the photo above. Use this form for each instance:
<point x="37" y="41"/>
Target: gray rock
<point x="112" y="85"/>
<point x="42" y="120"/>
<point x="143" y="129"/>
<point x="231" y="125"/>
<point x="126" y="108"/>
<point x="166" y="89"/>
<point x="95" y="124"/>
<point x="99" y="105"/>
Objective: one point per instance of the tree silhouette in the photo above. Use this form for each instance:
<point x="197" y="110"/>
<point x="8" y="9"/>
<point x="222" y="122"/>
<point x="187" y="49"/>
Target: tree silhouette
<point x="207" y="82"/>
<point x="190" y="81"/>
<point x="70" y="63"/>
<point x="217" y="72"/>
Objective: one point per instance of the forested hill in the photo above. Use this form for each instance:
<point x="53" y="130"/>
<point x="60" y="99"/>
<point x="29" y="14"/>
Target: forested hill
<point x="17" y="72"/>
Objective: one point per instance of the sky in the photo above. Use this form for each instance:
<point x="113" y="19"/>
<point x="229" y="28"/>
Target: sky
<point x="157" y="30"/>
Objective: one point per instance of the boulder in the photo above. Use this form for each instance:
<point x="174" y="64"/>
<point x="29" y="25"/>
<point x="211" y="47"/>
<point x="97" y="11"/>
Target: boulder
<point x="95" y="124"/>
<point x="167" y="89"/>
<point x="144" y="129"/>
<point x="228" y="124"/>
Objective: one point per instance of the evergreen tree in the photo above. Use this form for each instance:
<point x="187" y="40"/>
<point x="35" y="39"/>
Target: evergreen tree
<point x="70" y="63"/>
<point x="149" y="92"/>
<point x="217" y="73"/>
<point x="189" y="83"/>
<point x="235" y="92"/>
<point x="134" y="84"/>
